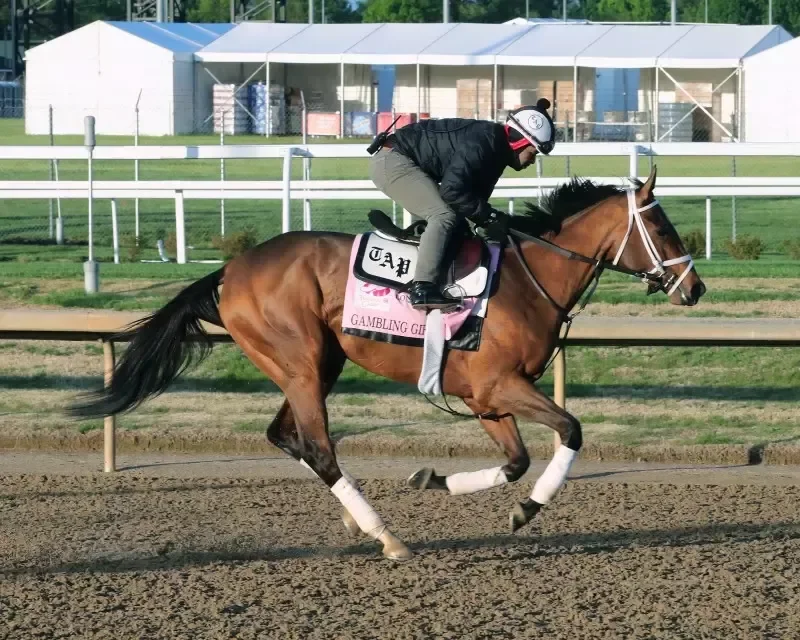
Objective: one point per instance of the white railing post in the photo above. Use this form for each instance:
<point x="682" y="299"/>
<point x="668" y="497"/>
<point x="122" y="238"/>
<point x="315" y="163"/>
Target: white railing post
<point x="307" y="202"/>
<point x="306" y="166"/>
<point x="114" y="230"/>
<point x="222" y="175"/>
<point x="50" y="169"/>
<point x="633" y="162"/>
<point x="91" y="277"/>
<point x="136" y="168"/>
<point x="286" y="210"/>
<point x="180" y="228"/>
<point x="109" y="422"/>
<point x="708" y="228"/>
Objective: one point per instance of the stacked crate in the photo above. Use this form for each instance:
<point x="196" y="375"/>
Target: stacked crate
<point x="228" y="109"/>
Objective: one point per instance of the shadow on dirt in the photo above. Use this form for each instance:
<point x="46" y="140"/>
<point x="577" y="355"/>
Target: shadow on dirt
<point x="482" y="549"/>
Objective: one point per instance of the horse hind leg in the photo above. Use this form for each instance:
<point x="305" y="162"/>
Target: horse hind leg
<point x="505" y="433"/>
<point x="282" y="431"/>
<point x="301" y="428"/>
<point x="316" y="450"/>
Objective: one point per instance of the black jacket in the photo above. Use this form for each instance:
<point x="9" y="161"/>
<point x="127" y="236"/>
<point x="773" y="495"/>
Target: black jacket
<point x="466" y="158"/>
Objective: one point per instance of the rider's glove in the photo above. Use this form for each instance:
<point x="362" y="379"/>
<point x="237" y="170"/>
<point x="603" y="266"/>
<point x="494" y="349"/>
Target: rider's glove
<point x="487" y="215"/>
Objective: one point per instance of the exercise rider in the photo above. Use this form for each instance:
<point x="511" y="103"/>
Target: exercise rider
<point x="445" y="170"/>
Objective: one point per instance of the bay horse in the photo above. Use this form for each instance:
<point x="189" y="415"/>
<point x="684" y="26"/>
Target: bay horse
<point x="282" y="303"/>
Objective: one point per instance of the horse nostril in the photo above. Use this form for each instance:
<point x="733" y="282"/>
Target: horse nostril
<point x="698" y="290"/>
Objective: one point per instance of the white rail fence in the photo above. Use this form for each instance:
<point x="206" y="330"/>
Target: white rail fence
<point x="287" y="190"/>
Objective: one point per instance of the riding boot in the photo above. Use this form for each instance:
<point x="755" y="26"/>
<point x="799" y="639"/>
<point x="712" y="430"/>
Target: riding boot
<point x="427" y="295"/>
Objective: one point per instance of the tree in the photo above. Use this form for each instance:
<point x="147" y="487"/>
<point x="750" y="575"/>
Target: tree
<point x="627" y="10"/>
<point x="402" y="11"/>
<point x="336" y="11"/>
<point x="209" y="11"/>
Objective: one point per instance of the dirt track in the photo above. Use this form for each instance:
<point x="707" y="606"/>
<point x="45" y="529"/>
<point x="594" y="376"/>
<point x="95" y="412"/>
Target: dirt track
<point x="171" y="551"/>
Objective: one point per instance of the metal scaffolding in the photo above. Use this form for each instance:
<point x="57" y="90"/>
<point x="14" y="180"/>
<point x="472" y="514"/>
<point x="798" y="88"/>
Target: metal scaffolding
<point x="34" y="22"/>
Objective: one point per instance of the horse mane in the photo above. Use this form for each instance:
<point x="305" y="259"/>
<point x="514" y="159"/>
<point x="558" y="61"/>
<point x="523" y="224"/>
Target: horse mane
<point x="564" y="201"/>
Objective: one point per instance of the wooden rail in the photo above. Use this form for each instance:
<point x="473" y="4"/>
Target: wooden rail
<point x="587" y="331"/>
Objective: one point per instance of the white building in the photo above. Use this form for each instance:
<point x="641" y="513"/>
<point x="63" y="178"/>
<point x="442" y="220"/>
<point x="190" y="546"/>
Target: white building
<point x="104" y="68"/>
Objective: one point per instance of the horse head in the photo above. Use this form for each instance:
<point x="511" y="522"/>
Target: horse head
<point x="645" y="240"/>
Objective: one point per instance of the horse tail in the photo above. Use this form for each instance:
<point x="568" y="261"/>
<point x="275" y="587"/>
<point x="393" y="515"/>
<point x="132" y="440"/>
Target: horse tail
<point x="161" y="346"/>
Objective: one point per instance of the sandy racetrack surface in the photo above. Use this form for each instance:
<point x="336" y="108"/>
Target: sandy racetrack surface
<point x="140" y="555"/>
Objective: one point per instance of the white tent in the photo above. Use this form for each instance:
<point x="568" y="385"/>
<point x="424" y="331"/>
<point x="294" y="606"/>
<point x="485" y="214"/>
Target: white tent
<point x="480" y="69"/>
<point x="681" y="71"/>
<point x="103" y="68"/>
<point x="771" y="97"/>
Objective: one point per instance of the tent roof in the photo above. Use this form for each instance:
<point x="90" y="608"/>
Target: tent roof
<point x="472" y="44"/>
<point x="181" y="38"/>
<point x="178" y="37"/>
<point x="721" y="45"/>
<point x="321" y="43"/>
<point x="540" y="43"/>
<point x="554" y="46"/>
<point x="249" y="42"/>
<point x="396" y="43"/>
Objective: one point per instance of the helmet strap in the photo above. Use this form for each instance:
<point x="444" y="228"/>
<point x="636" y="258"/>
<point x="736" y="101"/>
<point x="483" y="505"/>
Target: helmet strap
<point x="516" y="145"/>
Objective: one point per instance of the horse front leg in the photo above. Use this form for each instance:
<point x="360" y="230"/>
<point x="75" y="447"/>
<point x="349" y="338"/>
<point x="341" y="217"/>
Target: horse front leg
<point x="521" y="397"/>
<point x="505" y="433"/>
<point x="515" y="395"/>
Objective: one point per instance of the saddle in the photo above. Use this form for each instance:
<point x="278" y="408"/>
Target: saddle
<point x="388" y="257"/>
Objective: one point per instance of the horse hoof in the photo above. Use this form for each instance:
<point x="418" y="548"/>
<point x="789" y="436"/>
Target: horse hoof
<point x="350" y="523"/>
<point x="517" y="518"/>
<point x="421" y="479"/>
<point x="522" y="514"/>
<point x="394" y="548"/>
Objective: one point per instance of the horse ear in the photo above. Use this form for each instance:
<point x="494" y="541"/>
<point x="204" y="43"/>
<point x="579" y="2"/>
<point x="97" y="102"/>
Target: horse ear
<point x="646" y="190"/>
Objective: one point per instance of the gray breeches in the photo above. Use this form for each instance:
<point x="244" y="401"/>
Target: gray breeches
<point x="410" y="187"/>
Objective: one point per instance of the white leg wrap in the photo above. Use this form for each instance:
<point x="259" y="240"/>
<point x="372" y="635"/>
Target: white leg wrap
<point x="472" y="481"/>
<point x="350" y="478"/>
<point x="365" y="516"/>
<point x="554" y="476"/>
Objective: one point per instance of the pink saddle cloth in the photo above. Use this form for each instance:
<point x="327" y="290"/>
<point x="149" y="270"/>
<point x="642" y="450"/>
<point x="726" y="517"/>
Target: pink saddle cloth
<point x="381" y="313"/>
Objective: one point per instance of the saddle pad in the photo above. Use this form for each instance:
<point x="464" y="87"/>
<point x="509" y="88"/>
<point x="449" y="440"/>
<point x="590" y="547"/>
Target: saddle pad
<point x="391" y="263"/>
<point x="381" y="313"/>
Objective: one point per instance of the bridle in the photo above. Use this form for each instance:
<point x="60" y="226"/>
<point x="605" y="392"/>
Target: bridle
<point x="635" y="214"/>
<point x="654" y="278"/>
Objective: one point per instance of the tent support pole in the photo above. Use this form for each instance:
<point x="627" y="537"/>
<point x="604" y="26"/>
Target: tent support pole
<point x="341" y="101"/>
<point x="419" y="95"/>
<point x="574" y="103"/>
<point x="655" y="105"/>
<point x="268" y="123"/>
<point x="494" y="94"/>
<point x="739" y="96"/>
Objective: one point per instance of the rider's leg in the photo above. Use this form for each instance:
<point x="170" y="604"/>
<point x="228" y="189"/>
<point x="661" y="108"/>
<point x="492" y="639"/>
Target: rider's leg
<point x="405" y="183"/>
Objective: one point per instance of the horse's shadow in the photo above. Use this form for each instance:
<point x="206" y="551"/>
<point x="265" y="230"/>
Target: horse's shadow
<point x="481" y="549"/>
